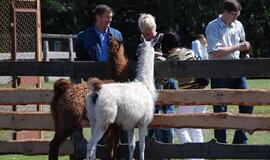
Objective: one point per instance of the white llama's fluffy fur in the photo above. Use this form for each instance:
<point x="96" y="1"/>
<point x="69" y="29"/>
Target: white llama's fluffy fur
<point x="127" y="104"/>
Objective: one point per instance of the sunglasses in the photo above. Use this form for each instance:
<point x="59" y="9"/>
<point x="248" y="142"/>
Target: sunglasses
<point x="234" y="13"/>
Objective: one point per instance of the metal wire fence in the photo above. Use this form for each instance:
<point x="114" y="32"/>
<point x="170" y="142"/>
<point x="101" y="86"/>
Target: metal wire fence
<point x="25" y="30"/>
<point x="5" y="54"/>
<point x="18" y="41"/>
<point x="5" y="30"/>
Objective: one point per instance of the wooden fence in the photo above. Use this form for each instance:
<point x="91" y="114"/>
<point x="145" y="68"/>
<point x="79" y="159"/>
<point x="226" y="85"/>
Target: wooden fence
<point x="47" y="54"/>
<point x="254" y="68"/>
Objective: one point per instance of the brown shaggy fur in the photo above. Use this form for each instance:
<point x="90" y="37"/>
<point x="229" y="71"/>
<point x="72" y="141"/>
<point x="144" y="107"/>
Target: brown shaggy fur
<point x="117" y="61"/>
<point x="68" y="111"/>
<point x="68" y="103"/>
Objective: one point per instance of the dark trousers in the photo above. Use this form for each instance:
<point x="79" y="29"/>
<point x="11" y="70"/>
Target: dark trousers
<point x="160" y="134"/>
<point x="232" y="83"/>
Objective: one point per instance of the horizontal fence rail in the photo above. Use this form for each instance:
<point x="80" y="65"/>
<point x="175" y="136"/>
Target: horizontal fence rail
<point x="43" y="121"/>
<point x="58" y="36"/>
<point x="207" y="68"/>
<point x="33" y="147"/>
<point x="179" y="97"/>
<point x="153" y="150"/>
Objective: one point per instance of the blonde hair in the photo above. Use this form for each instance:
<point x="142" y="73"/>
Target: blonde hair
<point x="146" y="21"/>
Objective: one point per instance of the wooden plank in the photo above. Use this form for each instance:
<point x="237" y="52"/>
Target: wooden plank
<point x="38" y="32"/>
<point x="90" y="69"/>
<point x="210" y="150"/>
<point x="33" y="147"/>
<point x="179" y="97"/>
<point x="214" y="68"/>
<point x="43" y="121"/>
<point x="58" y="36"/>
<point x="26" y="121"/>
<point x="212" y="120"/>
<point x="59" y="68"/>
<point x="60" y="55"/>
<point x="207" y="68"/>
<point x="25" y="96"/>
<point x="214" y="96"/>
<point x="153" y="150"/>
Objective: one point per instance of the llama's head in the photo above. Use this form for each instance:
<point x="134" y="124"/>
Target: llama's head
<point x="115" y="47"/>
<point x="146" y="46"/>
<point x="61" y="86"/>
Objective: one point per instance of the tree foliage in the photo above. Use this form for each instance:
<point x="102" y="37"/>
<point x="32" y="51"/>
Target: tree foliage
<point x="187" y="18"/>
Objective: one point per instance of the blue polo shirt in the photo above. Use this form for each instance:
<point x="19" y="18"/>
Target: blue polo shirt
<point x="104" y="38"/>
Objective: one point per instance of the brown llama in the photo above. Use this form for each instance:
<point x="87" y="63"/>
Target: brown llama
<point x="68" y="103"/>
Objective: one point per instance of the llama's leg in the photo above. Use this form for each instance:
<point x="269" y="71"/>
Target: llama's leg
<point x="113" y="141"/>
<point x="88" y="152"/>
<point x="90" y="108"/>
<point x="92" y="133"/>
<point x="131" y="143"/>
<point x="55" y="144"/>
<point x="142" y="133"/>
<point x="98" y="132"/>
<point x="63" y="129"/>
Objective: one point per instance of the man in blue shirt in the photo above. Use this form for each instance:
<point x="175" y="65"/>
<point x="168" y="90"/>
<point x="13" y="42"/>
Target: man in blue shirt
<point x="92" y="44"/>
<point x="224" y="36"/>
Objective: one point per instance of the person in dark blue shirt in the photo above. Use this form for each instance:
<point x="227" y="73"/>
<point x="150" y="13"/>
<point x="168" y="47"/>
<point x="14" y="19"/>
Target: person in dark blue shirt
<point x="92" y="44"/>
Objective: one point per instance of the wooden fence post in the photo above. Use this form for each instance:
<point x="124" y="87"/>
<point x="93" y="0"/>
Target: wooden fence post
<point x="71" y="58"/>
<point x="46" y="56"/>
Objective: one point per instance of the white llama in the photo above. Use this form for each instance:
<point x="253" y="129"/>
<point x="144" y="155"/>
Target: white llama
<point x="128" y="104"/>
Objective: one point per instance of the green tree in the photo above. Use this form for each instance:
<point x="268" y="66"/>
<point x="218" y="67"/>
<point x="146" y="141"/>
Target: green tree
<point x="187" y="18"/>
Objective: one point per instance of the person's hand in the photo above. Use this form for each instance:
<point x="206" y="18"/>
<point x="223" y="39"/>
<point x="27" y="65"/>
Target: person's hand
<point x="157" y="54"/>
<point x="244" y="46"/>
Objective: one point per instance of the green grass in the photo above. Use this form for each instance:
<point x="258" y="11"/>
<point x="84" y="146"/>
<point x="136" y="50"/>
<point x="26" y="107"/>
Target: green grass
<point x="259" y="137"/>
<point x="259" y="84"/>
<point x="21" y="157"/>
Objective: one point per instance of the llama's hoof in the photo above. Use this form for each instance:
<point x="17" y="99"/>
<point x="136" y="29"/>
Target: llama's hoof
<point x="87" y="158"/>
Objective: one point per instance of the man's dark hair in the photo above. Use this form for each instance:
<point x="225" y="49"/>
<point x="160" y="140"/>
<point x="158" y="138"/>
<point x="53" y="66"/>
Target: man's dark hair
<point x="200" y="36"/>
<point x="232" y="5"/>
<point x="101" y="9"/>
<point x="169" y="40"/>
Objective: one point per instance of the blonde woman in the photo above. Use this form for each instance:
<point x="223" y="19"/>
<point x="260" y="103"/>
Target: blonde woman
<point x="148" y="28"/>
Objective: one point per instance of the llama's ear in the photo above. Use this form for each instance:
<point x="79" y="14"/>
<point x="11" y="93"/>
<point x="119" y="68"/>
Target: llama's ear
<point x="155" y="40"/>
<point x="142" y="38"/>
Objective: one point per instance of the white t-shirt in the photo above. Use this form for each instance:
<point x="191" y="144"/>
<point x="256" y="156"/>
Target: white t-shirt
<point x="200" y="50"/>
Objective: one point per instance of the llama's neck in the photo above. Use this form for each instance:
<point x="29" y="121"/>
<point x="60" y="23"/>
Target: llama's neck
<point x="145" y="70"/>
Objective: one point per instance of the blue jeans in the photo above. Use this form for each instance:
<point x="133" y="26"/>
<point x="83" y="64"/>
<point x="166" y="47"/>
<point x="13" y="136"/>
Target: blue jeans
<point x="232" y="83"/>
<point x="160" y="134"/>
